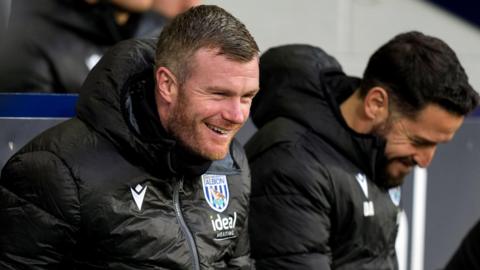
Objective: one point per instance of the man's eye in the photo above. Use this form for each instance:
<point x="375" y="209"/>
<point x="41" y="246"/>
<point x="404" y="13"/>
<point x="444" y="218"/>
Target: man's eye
<point x="247" y="99"/>
<point x="249" y="96"/>
<point x="417" y="142"/>
<point x="220" y="94"/>
<point x="420" y="143"/>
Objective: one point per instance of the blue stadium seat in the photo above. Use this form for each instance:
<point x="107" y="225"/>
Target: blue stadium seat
<point x="25" y="115"/>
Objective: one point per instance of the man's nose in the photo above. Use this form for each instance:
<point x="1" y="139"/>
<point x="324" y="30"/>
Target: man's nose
<point x="234" y="111"/>
<point x="425" y="156"/>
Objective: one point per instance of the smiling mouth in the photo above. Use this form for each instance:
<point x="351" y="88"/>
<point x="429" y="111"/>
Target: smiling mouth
<point x="218" y="130"/>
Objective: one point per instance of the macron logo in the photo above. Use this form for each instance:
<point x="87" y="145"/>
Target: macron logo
<point x="362" y="180"/>
<point x="138" y="194"/>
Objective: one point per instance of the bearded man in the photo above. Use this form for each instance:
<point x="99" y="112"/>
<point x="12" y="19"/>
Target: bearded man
<point x="133" y="181"/>
<point x="331" y="149"/>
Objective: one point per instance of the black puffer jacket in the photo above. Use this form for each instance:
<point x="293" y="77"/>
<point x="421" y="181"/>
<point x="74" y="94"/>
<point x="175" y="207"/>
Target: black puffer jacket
<point x="315" y="199"/>
<point x="110" y="190"/>
<point x="466" y="256"/>
<point x="53" y="44"/>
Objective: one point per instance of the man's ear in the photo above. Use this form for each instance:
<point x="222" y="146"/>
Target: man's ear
<point x="376" y="104"/>
<point x="167" y="87"/>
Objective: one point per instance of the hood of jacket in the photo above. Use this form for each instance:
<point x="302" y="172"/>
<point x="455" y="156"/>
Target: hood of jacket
<point x="117" y="101"/>
<point x="94" y="22"/>
<point x="305" y="84"/>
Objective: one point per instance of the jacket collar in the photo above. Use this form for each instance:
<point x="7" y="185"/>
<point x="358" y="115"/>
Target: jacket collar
<point x="364" y="150"/>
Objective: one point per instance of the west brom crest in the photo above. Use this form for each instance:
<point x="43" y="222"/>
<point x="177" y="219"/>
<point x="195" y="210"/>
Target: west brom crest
<point x="215" y="189"/>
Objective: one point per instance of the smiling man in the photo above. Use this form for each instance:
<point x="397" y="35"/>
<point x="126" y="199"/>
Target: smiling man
<point x="207" y="110"/>
<point x="331" y="149"/>
<point x="148" y="175"/>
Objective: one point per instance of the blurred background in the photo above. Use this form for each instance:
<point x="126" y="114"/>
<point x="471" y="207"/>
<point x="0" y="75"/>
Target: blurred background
<point x="441" y="204"/>
<point x="351" y="30"/>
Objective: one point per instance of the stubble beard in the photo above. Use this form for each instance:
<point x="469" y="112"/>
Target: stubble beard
<point x="385" y="178"/>
<point x="389" y="180"/>
<point x="182" y="128"/>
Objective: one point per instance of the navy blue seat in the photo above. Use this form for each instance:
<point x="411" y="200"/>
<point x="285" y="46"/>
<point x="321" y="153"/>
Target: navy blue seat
<point x="25" y="115"/>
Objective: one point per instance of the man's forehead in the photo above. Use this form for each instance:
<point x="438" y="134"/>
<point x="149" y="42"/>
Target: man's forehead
<point x="434" y="124"/>
<point x="218" y="53"/>
<point x="209" y="59"/>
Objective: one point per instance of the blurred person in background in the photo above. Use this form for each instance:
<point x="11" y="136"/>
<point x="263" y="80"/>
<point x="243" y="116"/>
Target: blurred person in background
<point x="4" y="17"/>
<point x="53" y="44"/>
<point x="162" y="11"/>
<point x="171" y="8"/>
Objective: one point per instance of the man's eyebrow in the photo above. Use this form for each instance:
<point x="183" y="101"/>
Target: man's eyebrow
<point x="422" y="141"/>
<point x="226" y="90"/>
<point x="253" y="92"/>
<point x="219" y="89"/>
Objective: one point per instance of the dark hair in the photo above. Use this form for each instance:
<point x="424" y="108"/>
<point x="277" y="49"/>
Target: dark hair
<point x="418" y="70"/>
<point x="203" y="26"/>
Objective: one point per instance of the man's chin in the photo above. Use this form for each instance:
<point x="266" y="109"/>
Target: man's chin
<point x="395" y="173"/>
<point x="389" y="180"/>
<point x="392" y="182"/>
<point x="213" y="154"/>
<point x="216" y="156"/>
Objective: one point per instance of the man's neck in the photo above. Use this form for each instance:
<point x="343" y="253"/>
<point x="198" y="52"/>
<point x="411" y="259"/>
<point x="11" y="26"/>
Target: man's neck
<point x="352" y="110"/>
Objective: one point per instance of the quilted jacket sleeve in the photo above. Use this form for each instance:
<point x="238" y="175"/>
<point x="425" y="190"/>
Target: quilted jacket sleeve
<point x="39" y="212"/>
<point x="290" y="210"/>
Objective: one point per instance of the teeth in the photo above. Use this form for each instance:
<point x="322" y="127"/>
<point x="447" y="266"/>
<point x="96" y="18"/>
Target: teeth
<point x="218" y="130"/>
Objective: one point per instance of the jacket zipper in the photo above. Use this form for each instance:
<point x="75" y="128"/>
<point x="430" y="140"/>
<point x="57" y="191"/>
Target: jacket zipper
<point x="184" y="227"/>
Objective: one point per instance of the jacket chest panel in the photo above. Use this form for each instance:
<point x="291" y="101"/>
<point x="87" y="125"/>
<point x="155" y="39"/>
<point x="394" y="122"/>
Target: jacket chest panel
<point x="139" y="220"/>
<point x="215" y="230"/>
<point x="368" y="217"/>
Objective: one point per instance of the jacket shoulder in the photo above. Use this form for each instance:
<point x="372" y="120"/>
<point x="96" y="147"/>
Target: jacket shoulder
<point x="279" y="131"/>
<point x="283" y="160"/>
<point x="39" y="177"/>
